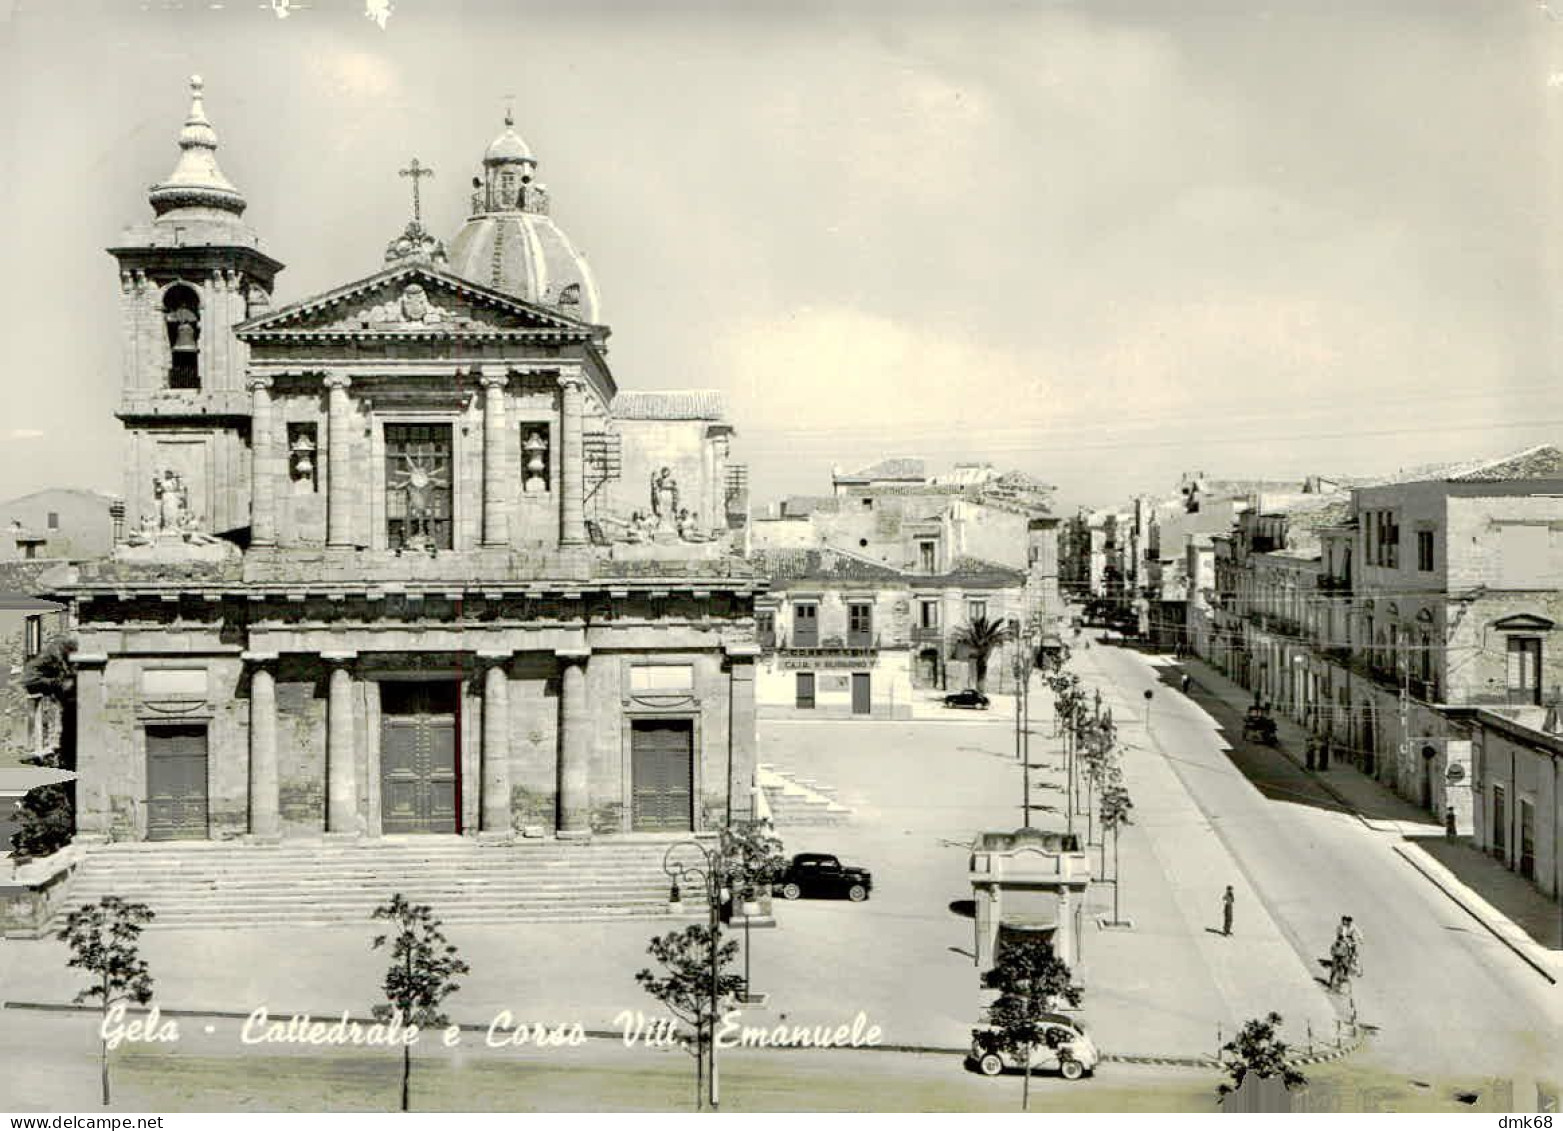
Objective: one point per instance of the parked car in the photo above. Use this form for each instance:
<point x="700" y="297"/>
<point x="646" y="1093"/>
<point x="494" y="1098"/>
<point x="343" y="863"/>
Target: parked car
<point x="972" y="698"/>
<point x="819" y="875"/>
<point x="1064" y="1048"/>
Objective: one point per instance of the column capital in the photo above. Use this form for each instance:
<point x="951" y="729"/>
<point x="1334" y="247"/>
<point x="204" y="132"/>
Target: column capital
<point x="335" y="380"/>
<point x="256" y="382"/>
<point x="260" y="658"/>
<point x="494" y="657"/>
<point x="572" y="377"/>
<point x="339" y="657"/>
<point x="573" y="655"/>
<point x="492" y="380"/>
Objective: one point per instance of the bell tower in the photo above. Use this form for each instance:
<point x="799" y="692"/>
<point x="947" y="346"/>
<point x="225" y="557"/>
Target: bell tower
<point x="186" y="278"/>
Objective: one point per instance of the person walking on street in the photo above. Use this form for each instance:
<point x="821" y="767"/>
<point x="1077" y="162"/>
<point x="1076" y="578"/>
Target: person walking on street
<point x="1226" y="911"/>
<point x="1186" y="682"/>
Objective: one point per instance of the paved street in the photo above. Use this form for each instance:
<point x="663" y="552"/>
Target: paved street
<point x="1444" y="995"/>
<point x="919" y="791"/>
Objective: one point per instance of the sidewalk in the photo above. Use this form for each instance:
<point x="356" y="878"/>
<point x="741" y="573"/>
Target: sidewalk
<point x="1375" y="804"/>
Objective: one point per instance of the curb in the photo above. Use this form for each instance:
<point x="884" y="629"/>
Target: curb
<point x="1207" y="1063"/>
<point x="1464" y="906"/>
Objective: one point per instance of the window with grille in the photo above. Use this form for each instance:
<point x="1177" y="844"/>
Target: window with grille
<point x="418" y="474"/>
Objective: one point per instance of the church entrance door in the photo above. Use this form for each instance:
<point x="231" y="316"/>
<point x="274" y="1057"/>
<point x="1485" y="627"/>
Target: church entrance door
<point x="419" y="781"/>
<point x="176" y="782"/>
<point x="662" y="775"/>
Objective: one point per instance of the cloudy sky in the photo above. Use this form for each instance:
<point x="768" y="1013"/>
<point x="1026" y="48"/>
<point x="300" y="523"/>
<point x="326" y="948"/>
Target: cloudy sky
<point x="1105" y="243"/>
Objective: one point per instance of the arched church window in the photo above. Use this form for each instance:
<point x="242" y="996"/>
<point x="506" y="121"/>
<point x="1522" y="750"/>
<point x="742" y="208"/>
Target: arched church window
<point x="182" y="315"/>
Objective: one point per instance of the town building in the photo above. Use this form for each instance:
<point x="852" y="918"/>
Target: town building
<point x="1516" y="758"/>
<point x="30" y="725"/>
<point x="1379" y="622"/>
<point x="57" y="523"/>
<point x="402" y="558"/>
<point x="917" y="561"/>
<point x="841" y="634"/>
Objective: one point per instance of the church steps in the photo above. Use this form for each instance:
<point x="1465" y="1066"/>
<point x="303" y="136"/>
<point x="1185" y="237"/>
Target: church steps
<point x="205" y="884"/>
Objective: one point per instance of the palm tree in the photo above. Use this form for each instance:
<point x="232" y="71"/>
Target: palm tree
<point x="981" y="637"/>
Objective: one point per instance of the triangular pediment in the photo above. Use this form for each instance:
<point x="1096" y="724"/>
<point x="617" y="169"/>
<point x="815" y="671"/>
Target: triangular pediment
<point x="1523" y="622"/>
<point x="412" y="299"/>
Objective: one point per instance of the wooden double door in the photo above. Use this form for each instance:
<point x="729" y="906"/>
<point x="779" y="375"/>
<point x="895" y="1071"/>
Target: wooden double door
<point x="662" y="756"/>
<point x="176" y="782"/>
<point x="420" y="778"/>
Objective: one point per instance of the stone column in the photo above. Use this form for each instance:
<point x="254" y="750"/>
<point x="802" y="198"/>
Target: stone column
<point x="94" y="757"/>
<point x="496" y="527"/>
<point x="741" y="748"/>
<point x="495" y="813"/>
<point x="265" y="807"/>
<point x="572" y="463"/>
<point x="341" y="762"/>
<point x="717" y="519"/>
<point x="263" y="465"/>
<point x="339" y="481"/>
<point x="575" y="720"/>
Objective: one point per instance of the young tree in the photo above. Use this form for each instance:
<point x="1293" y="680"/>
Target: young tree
<point x="696" y="988"/>
<point x="422" y="973"/>
<point x="47" y="815"/>
<point x="981" y="637"/>
<point x="102" y="939"/>
<point x="1115" y="807"/>
<point x="752" y="857"/>
<point x="1031" y="981"/>
<point x="1256" y="1049"/>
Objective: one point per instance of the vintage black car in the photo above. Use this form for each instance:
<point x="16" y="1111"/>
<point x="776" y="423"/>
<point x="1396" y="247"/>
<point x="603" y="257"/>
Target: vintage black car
<point x="976" y="700"/>
<point x="822" y="876"/>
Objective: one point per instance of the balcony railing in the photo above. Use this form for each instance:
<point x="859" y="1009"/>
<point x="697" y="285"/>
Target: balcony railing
<point x="934" y="635"/>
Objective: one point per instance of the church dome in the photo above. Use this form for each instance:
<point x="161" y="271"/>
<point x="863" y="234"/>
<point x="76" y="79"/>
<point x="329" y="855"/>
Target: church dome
<point x="510" y="243"/>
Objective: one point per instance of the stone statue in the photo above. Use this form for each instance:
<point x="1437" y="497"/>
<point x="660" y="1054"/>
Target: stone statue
<point x="664" y="499"/>
<point x="173" y="501"/>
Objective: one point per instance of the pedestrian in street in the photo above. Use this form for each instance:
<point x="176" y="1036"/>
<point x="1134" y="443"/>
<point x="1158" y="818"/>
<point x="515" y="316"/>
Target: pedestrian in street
<point x="1226" y="911"/>
<point x="1451" y="826"/>
<point x="1186" y="682"/>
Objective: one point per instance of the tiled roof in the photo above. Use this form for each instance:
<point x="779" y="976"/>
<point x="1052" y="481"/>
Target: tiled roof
<point x="670" y="404"/>
<point x="976" y="571"/>
<point x="1544" y="461"/>
<point x="901" y="467"/>
<point x="792" y="564"/>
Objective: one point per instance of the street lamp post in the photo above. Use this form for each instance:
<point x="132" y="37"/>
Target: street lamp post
<point x="711" y="874"/>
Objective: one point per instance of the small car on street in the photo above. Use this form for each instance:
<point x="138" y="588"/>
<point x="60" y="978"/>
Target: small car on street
<point x="1064" y="1048"/>
<point x="820" y="875"/>
<point x="971" y="698"/>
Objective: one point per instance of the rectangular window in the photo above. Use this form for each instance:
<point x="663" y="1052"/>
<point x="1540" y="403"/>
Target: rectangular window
<point x="860" y="625"/>
<point x="1500" y="824"/>
<point x="928" y="556"/>
<point x="54" y="520"/>
<point x="929" y="614"/>
<point x="418" y="473"/>
<point x="765" y="626"/>
<point x="1424" y="551"/>
<point x="33" y="644"/>
<point x="1525" y="670"/>
<point x="806" y="691"/>
<point x="976" y="610"/>
<point x="805" y="626"/>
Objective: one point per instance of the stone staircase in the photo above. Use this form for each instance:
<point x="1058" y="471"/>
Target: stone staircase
<point x="799" y="802"/>
<point x="324" y="883"/>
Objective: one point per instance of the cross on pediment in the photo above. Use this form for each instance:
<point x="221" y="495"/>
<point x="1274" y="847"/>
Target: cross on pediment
<point x="417" y="172"/>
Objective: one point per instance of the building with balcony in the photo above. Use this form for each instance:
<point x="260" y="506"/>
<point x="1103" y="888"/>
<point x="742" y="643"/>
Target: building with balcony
<point x="841" y="634"/>
<point x="402" y="557"/>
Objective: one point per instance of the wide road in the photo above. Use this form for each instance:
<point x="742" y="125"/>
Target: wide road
<point x="1446" y="998"/>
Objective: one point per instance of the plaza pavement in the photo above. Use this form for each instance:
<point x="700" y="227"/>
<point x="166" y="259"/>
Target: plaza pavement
<point x="1171" y="986"/>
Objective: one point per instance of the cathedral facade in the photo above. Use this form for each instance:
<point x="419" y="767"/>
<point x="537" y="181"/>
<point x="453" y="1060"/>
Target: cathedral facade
<point x="401" y="558"/>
